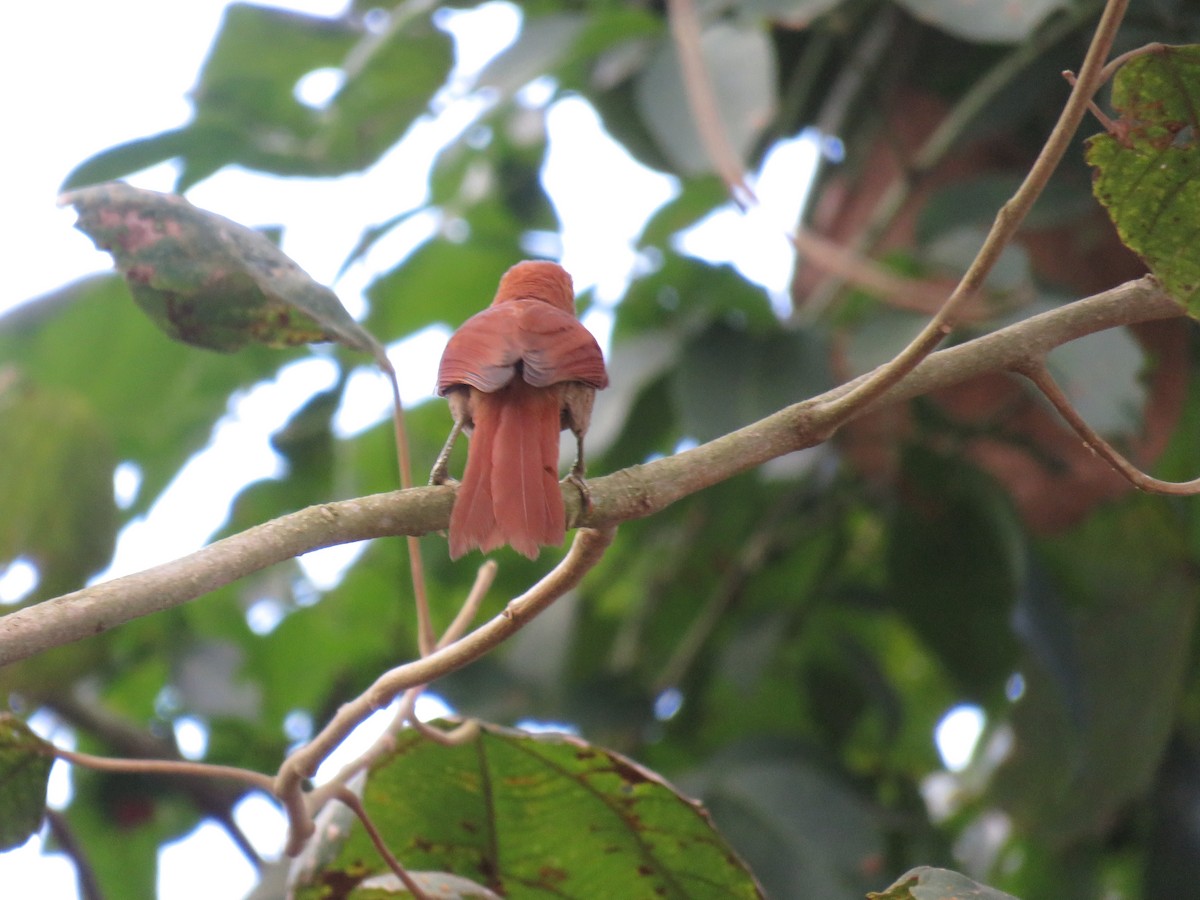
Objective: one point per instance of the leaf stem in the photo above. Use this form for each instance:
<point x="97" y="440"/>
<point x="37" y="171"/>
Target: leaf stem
<point x="416" y="565"/>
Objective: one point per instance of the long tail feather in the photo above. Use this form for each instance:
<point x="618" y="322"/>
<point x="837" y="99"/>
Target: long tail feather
<point x="472" y="520"/>
<point x="510" y="492"/>
<point x="526" y="497"/>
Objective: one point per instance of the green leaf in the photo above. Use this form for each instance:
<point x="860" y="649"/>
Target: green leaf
<point x="541" y="46"/>
<point x="805" y="831"/>
<point x="928" y="883"/>
<point x="390" y="80"/>
<point x="1003" y="23"/>
<point x="689" y="291"/>
<point x="208" y="281"/>
<point x="1147" y="174"/>
<point x="1081" y="756"/>
<point x="955" y="564"/>
<point x="25" y="761"/>
<point x="1102" y="375"/>
<point x="569" y="46"/>
<point x="133" y="156"/>
<point x="158" y="400"/>
<point x="56" y="488"/>
<point x="528" y="815"/>
<point x="247" y="111"/>
<point x="729" y="377"/>
<point x="741" y="68"/>
<point x="698" y="197"/>
<point x="440" y="282"/>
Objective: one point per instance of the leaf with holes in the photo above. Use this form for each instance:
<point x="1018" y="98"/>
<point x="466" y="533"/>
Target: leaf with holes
<point x="25" y="763"/>
<point x="209" y="281"/>
<point x="539" y="815"/>
<point x="1147" y="171"/>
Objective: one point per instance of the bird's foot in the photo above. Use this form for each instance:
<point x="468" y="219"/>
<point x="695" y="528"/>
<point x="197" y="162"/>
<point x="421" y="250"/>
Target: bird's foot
<point x="439" y="475"/>
<point x="585" y="493"/>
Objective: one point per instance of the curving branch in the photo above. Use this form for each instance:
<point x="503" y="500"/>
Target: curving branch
<point x="1006" y="223"/>
<point x="632" y="493"/>
<point x="586" y="550"/>
<point x="1037" y="373"/>
<point x="685" y="30"/>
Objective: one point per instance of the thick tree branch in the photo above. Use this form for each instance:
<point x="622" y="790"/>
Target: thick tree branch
<point x="96" y="609"/>
<point x="629" y="494"/>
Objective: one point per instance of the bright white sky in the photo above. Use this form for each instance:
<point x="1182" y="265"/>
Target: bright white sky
<point x="86" y="76"/>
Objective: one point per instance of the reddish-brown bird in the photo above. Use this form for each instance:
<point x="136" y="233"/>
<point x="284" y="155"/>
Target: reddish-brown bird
<point x="515" y="376"/>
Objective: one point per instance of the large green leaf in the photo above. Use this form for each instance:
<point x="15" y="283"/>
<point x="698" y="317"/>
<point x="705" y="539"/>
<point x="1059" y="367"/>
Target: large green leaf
<point x="157" y="399"/>
<point x="537" y="816"/>
<point x="56" y="484"/>
<point x="25" y="761"/>
<point x="1147" y="173"/>
<point x="955" y="565"/>
<point x="246" y="107"/>
<point x="729" y="377"/>
<point x="741" y="69"/>
<point x="1081" y="756"/>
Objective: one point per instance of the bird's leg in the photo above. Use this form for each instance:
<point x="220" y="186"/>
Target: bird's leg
<point x="575" y="476"/>
<point x="441" y="467"/>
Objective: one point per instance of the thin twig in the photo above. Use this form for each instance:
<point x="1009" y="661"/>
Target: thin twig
<point x="1007" y="221"/>
<point x="1037" y="373"/>
<point x="470" y="608"/>
<point x="863" y="272"/>
<point x="351" y="799"/>
<point x="1101" y="116"/>
<point x="462" y="733"/>
<point x="586" y="550"/>
<point x="632" y="493"/>
<point x="125" y="739"/>
<point x="416" y="565"/>
<point x="171" y="767"/>
<point x="85" y="873"/>
<point x="92" y="610"/>
<point x="1116" y="62"/>
<point x="466" y="615"/>
<point x="685" y="29"/>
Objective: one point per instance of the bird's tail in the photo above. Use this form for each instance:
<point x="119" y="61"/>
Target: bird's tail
<point x="510" y="492"/>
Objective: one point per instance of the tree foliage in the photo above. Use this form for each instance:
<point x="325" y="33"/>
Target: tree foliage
<point x="780" y="644"/>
